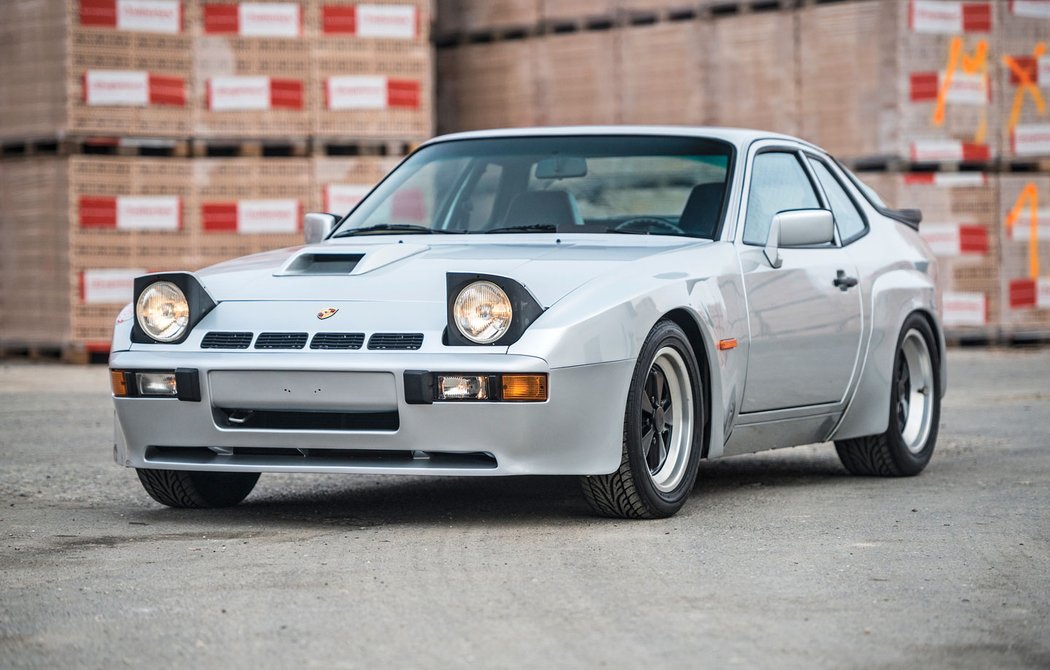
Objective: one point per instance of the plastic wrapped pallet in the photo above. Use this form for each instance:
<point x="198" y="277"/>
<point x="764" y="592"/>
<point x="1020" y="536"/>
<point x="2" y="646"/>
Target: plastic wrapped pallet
<point x="578" y="78"/>
<point x="1023" y="72"/>
<point x="372" y="70"/>
<point x="488" y="86"/>
<point x="95" y="67"/>
<point x="663" y="73"/>
<point x="752" y="70"/>
<point x="466" y="16"/>
<point x="923" y="90"/>
<point x="252" y="66"/>
<point x="1024" y="209"/>
<point x="339" y="183"/>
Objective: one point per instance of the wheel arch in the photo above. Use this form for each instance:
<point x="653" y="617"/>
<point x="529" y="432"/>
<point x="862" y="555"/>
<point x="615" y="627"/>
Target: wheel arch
<point x="703" y="353"/>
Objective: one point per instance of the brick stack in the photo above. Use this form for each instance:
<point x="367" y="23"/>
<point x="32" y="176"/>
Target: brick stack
<point x="189" y="98"/>
<point x="939" y="96"/>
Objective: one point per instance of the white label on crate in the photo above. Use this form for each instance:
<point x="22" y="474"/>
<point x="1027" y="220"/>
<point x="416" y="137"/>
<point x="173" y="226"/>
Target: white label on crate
<point x="965" y="309"/>
<point x="357" y="92"/>
<point x="1021" y="231"/>
<point x="341" y="198"/>
<point x="1042" y="72"/>
<point x="1039" y="9"/>
<point x="151" y="16"/>
<point x="239" y="93"/>
<point x="108" y="286"/>
<point x="160" y="212"/>
<point x="943" y="238"/>
<point x="256" y="19"/>
<point x="267" y="216"/>
<point x="397" y="21"/>
<point x="936" y="16"/>
<point x="936" y="150"/>
<point x="116" y="87"/>
<point x="966" y="89"/>
<point x="1032" y="139"/>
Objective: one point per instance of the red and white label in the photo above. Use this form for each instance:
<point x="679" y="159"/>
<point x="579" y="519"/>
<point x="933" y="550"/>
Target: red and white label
<point x="254" y="19"/>
<point x="1030" y="293"/>
<point x="147" y="16"/>
<point x="108" y="286"/>
<point x="371" y="92"/>
<point x="1030" y="139"/>
<point x="1034" y="70"/>
<point x="378" y="21"/>
<point x="948" y="150"/>
<point x="1036" y="9"/>
<point x="947" y="179"/>
<point x="252" y="216"/>
<point x="949" y="17"/>
<point x="955" y="239"/>
<point x="965" y="88"/>
<point x="227" y="94"/>
<point x="131" y="88"/>
<point x="1021" y="231"/>
<point x="965" y="309"/>
<point x="341" y="198"/>
<point x="157" y="213"/>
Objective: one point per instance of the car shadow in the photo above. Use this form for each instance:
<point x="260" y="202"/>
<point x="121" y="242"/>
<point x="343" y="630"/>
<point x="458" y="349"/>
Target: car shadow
<point x="372" y="500"/>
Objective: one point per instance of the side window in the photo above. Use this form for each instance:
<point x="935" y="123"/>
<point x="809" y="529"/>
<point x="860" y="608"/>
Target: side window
<point x="849" y="221"/>
<point x="778" y="182"/>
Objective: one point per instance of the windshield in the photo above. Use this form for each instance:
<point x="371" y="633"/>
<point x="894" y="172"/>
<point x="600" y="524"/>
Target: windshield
<point x="593" y="184"/>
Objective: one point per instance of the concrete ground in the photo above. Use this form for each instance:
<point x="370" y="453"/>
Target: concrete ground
<point x="778" y="560"/>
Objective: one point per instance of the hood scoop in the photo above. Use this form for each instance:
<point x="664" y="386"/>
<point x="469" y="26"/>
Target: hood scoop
<point x="342" y="263"/>
<point x="322" y="264"/>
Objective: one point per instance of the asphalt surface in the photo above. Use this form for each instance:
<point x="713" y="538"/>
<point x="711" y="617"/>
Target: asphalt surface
<point x="778" y="560"/>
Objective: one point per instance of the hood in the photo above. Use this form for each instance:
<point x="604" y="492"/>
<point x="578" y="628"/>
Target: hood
<point x="412" y="268"/>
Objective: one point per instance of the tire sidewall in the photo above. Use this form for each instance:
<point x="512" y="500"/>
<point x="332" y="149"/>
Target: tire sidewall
<point x="664" y="503"/>
<point x="913" y="463"/>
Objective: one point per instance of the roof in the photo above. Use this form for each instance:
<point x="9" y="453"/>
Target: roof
<point x="737" y="136"/>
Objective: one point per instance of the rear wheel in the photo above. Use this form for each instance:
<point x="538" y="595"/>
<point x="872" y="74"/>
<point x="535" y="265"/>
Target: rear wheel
<point x="662" y="424"/>
<point x="915" y="410"/>
<point x="182" y="488"/>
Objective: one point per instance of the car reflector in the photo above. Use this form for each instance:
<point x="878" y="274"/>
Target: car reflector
<point x="119" y="382"/>
<point x="525" y="388"/>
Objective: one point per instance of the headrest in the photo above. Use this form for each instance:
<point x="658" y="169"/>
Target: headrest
<point x="556" y="208"/>
<point x="702" y="210"/>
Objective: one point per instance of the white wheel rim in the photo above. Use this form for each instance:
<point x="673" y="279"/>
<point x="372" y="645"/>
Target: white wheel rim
<point x="914" y="391"/>
<point x="667" y="419"/>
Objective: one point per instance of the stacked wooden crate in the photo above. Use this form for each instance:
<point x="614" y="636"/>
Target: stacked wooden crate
<point x="222" y="122"/>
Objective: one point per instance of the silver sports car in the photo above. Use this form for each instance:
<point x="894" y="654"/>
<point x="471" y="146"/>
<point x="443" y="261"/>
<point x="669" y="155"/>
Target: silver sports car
<point x="615" y="303"/>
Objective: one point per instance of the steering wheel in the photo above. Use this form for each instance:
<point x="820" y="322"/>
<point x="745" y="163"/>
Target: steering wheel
<point x="644" y="223"/>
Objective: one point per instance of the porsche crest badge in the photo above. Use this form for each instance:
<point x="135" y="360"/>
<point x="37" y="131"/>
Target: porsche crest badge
<point x="327" y="313"/>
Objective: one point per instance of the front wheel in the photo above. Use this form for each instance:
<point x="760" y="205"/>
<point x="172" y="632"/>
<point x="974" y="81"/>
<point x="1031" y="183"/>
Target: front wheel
<point x="182" y="488"/>
<point x="663" y="423"/>
<point x="915" y="411"/>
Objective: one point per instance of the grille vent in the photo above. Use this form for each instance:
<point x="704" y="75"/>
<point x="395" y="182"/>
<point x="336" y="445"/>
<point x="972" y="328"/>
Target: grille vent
<point x="219" y="340"/>
<point x="337" y="341"/>
<point x="281" y="341"/>
<point x="395" y="341"/>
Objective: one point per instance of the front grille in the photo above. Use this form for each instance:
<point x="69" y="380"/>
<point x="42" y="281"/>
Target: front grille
<point x="218" y="340"/>
<point x="395" y="341"/>
<point x="320" y="458"/>
<point x="299" y="420"/>
<point x="337" y="341"/>
<point x="281" y="341"/>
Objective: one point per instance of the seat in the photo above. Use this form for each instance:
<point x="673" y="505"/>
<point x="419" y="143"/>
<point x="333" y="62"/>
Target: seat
<point x="702" y="210"/>
<point x="537" y="208"/>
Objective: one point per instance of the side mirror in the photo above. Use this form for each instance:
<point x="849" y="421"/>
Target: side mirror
<point x="798" y="228"/>
<point x="317" y="226"/>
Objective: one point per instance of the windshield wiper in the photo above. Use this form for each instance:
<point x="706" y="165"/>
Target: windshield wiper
<point x="392" y="228"/>
<point x="536" y="227"/>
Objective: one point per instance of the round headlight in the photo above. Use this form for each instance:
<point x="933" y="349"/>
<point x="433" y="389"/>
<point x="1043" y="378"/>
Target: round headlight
<point x="482" y="312"/>
<point x="162" y="311"/>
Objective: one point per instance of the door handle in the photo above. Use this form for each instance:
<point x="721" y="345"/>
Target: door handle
<point x="843" y="282"/>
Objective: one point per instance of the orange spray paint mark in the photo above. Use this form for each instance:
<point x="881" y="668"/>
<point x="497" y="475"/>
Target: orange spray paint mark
<point x="1025" y="85"/>
<point x="976" y="64"/>
<point x="1029" y="196"/>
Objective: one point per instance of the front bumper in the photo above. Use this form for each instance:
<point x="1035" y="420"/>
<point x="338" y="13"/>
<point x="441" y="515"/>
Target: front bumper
<point x="578" y="430"/>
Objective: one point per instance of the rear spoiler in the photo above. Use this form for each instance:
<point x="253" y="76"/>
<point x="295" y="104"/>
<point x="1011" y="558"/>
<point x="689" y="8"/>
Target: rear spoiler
<point x="909" y="217"/>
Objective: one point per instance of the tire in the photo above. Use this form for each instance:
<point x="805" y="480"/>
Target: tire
<point x="182" y="488"/>
<point x="657" y="467"/>
<point x="915" y="411"/>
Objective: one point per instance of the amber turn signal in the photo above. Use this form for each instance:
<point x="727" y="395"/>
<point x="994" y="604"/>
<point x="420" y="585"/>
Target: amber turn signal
<point x="525" y="388"/>
<point x="118" y="380"/>
<point x="726" y="345"/>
